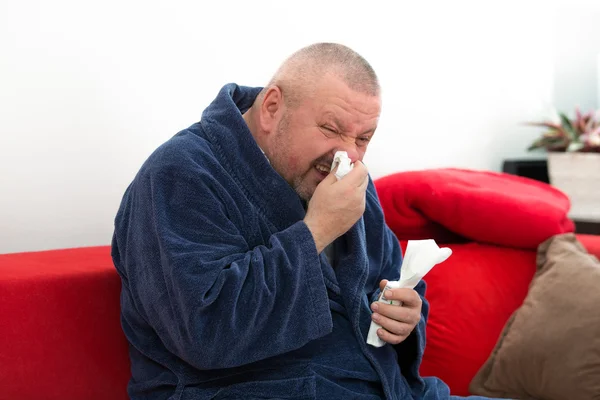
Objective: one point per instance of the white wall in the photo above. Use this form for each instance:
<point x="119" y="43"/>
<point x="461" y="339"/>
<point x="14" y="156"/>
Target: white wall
<point x="89" y="89"/>
<point x="576" y="61"/>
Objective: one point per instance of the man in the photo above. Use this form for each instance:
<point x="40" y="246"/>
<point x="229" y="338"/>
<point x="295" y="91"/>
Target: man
<point x="248" y="270"/>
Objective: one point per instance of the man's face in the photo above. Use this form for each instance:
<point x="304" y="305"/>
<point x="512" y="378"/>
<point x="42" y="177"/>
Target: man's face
<point x="336" y="118"/>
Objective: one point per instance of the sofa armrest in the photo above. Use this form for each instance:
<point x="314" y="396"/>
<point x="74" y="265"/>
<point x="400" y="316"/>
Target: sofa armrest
<point x="61" y="334"/>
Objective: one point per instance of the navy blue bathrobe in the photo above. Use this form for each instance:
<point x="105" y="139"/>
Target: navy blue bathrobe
<point x="223" y="293"/>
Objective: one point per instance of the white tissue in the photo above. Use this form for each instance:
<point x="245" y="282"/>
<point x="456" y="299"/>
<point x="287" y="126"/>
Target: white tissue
<point x="342" y="160"/>
<point x="421" y="256"/>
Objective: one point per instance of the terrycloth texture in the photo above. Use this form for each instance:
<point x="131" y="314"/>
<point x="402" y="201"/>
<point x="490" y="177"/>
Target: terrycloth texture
<point x="60" y="336"/>
<point x="223" y="292"/>
<point x="550" y="348"/>
<point x="449" y="205"/>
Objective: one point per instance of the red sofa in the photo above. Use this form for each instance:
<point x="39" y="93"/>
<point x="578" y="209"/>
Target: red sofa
<point x="60" y="331"/>
<point x="61" y="336"/>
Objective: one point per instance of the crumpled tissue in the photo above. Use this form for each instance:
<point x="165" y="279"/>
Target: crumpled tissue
<point x="342" y="160"/>
<point x="421" y="256"/>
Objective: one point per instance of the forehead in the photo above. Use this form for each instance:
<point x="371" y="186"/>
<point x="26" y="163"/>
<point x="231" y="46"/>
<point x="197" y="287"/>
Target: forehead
<point x="333" y="100"/>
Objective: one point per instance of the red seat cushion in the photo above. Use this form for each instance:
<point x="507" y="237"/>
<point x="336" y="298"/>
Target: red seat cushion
<point x="61" y="336"/>
<point x="472" y="295"/>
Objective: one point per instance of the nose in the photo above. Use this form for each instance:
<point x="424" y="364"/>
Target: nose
<point x="349" y="148"/>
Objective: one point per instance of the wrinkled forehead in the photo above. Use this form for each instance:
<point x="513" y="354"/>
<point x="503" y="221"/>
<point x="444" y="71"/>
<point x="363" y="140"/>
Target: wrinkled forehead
<point x="334" y="98"/>
<point x="359" y="112"/>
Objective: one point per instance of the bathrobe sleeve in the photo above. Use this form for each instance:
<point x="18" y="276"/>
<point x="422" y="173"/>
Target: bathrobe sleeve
<point x="214" y="300"/>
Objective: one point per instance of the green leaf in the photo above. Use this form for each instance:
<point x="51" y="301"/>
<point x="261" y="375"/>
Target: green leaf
<point x="575" y="146"/>
<point x="552" y="134"/>
<point x="566" y="122"/>
<point x="536" y="145"/>
<point x="551" y="125"/>
<point x="550" y="143"/>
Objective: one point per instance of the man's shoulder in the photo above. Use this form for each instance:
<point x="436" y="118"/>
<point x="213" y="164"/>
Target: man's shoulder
<point x="188" y="150"/>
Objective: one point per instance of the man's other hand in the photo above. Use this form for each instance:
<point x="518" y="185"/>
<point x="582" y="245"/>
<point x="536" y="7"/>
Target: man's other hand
<point x="397" y="321"/>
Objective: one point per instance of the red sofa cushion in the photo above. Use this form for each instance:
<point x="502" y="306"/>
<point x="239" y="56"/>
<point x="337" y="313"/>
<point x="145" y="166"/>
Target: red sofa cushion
<point x="471" y="295"/>
<point x="61" y="334"/>
<point x="489" y="207"/>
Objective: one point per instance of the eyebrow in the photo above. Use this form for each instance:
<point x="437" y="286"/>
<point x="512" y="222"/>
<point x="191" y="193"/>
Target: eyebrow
<point x="342" y="127"/>
<point x="336" y="122"/>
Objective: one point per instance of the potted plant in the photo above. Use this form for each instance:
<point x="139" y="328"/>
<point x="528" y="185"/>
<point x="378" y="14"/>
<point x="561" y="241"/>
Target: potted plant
<point x="573" y="148"/>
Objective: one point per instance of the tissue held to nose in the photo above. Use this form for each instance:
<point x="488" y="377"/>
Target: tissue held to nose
<point x="342" y="161"/>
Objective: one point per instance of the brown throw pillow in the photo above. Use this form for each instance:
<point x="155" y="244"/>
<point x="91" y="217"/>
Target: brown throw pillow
<point x="550" y="347"/>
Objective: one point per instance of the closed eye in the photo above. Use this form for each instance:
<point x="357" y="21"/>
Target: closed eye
<point x="329" y="131"/>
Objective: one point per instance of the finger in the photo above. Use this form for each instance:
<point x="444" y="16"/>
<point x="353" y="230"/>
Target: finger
<point x="395" y="327"/>
<point x="363" y="186"/>
<point x="389" y="337"/>
<point x="396" y="313"/>
<point x="362" y="170"/>
<point x="382" y="284"/>
<point x="331" y="178"/>
<point x="357" y="175"/>
<point x="408" y="297"/>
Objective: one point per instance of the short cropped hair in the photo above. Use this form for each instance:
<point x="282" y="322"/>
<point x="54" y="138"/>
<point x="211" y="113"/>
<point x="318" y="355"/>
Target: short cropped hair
<point x="298" y="73"/>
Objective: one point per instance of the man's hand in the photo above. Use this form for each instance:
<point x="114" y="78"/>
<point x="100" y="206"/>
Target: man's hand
<point x="397" y="321"/>
<point x="337" y="205"/>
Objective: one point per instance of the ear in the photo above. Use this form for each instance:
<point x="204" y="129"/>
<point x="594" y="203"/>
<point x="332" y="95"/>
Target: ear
<point x="271" y="109"/>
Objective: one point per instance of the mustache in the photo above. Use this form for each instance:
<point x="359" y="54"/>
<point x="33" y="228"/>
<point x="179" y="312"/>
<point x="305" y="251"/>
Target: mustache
<point x="325" y="160"/>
